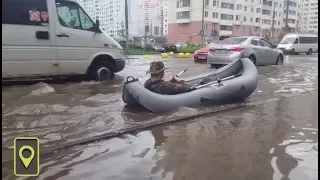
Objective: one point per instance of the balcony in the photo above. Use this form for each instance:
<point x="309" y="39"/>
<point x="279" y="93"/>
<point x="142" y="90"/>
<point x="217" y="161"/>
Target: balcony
<point x="181" y="9"/>
<point x="228" y="1"/>
<point x="183" y="21"/>
<point x="183" y="3"/>
<point x="183" y="17"/>
<point x="267" y="5"/>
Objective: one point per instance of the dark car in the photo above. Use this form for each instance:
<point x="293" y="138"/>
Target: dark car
<point x="168" y="48"/>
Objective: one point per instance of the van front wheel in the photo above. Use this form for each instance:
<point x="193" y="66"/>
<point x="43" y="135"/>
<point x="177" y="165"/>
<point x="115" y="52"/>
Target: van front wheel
<point x="102" y="72"/>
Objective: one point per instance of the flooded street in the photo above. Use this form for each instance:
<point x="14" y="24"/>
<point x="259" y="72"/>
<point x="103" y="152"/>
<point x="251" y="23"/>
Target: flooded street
<point x="274" y="137"/>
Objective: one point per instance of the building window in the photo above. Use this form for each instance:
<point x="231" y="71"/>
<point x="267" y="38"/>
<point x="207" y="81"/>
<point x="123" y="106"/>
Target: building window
<point x="238" y="17"/>
<point x="215" y="3"/>
<point x="251" y="19"/>
<point x="266" y="12"/>
<point x="258" y="10"/>
<point x="226" y="17"/>
<point x="226" y="28"/>
<point x="245" y="8"/>
<point x="206" y="3"/>
<point x="215" y="15"/>
<point x="183" y="3"/>
<point x="257" y="20"/>
<point x="206" y="14"/>
<point x="239" y="6"/>
<point x="214" y="25"/>
<point x="227" y="6"/>
<point x="252" y="9"/>
<point x="244" y="18"/>
<point x="266" y="21"/>
<point x="183" y="15"/>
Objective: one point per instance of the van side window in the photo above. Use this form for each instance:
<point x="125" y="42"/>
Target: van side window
<point x="71" y="15"/>
<point x="296" y="41"/>
<point x="25" y="12"/>
<point x="308" y="40"/>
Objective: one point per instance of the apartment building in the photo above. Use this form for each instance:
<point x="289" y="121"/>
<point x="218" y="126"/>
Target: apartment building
<point x="111" y="15"/>
<point x="152" y="17"/>
<point x="228" y="18"/>
<point x="309" y="17"/>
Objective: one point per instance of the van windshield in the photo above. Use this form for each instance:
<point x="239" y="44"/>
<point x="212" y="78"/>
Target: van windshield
<point x="289" y="40"/>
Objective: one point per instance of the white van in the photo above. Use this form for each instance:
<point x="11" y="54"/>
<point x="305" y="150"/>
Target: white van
<point x="299" y="43"/>
<point x="55" y="38"/>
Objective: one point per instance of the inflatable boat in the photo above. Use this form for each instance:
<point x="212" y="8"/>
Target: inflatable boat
<point x="233" y="82"/>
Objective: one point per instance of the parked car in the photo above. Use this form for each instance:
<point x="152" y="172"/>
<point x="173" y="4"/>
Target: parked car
<point x="168" y="48"/>
<point x="38" y="47"/>
<point x="259" y="50"/>
<point x="178" y="45"/>
<point x="299" y="43"/>
<point x="201" y="54"/>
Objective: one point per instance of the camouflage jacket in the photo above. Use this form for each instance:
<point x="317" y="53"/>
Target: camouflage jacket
<point x="167" y="87"/>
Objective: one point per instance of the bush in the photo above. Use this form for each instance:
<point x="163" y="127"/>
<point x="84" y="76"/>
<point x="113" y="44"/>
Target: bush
<point x="140" y="51"/>
<point x="189" y="49"/>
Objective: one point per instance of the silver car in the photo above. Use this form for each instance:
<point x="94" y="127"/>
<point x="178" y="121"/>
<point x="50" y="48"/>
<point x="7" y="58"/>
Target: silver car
<point x="258" y="49"/>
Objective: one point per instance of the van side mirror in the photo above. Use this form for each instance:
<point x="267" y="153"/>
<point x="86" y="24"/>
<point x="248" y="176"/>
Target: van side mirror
<point x="97" y="26"/>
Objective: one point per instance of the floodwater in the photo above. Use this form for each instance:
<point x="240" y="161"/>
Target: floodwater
<point x="273" y="138"/>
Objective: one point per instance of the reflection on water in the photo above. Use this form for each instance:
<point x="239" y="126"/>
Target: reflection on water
<point x="268" y="141"/>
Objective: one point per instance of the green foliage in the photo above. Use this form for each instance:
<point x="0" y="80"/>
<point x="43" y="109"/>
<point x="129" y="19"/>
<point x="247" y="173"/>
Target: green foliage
<point x="140" y="51"/>
<point x="189" y="49"/>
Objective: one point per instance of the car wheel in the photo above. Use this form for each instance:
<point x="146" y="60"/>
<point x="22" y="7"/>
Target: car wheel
<point x="309" y="52"/>
<point x="102" y="71"/>
<point x="293" y="52"/>
<point x="279" y="60"/>
<point x="253" y="59"/>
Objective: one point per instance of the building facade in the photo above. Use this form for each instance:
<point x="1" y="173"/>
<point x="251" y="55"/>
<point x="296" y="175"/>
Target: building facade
<point x="228" y="18"/>
<point x="152" y="17"/>
<point x="309" y="18"/>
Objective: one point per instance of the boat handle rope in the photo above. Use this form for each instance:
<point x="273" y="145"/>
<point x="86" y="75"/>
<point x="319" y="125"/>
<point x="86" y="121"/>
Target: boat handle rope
<point x="133" y="79"/>
<point x="214" y="82"/>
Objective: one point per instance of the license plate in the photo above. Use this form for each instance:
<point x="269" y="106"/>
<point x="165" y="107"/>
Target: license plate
<point x="202" y="57"/>
<point x="221" y="51"/>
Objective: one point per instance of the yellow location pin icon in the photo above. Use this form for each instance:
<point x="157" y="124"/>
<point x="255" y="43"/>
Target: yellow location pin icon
<point x="26" y="161"/>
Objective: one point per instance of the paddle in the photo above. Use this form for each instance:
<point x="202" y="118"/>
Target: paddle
<point x="180" y="73"/>
<point x="214" y="82"/>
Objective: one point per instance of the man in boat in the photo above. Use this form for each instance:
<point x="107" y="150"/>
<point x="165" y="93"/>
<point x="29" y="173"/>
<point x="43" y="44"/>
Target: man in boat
<point x="158" y="85"/>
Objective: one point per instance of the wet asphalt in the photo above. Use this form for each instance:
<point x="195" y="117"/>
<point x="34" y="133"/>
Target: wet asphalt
<point x="276" y="137"/>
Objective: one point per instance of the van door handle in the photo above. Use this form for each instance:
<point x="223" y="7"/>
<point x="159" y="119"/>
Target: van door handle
<point x="42" y="34"/>
<point x="62" y="35"/>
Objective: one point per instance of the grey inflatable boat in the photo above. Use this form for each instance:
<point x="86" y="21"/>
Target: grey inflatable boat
<point x="233" y="82"/>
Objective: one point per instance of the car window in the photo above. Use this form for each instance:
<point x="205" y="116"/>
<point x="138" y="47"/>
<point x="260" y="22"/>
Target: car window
<point x="233" y="40"/>
<point x="255" y="42"/>
<point x="210" y="45"/>
<point x="266" y="43"/>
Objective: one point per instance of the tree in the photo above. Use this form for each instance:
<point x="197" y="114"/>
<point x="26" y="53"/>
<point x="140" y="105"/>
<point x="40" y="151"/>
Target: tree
<point x="122" y="31"/>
